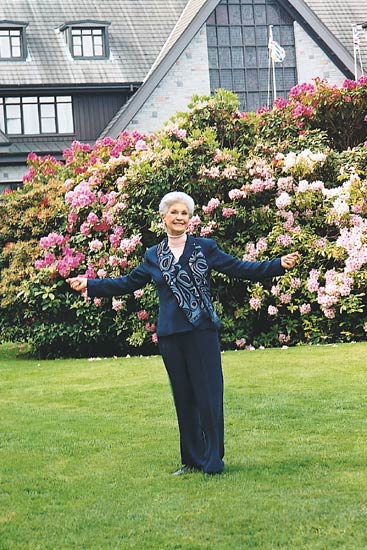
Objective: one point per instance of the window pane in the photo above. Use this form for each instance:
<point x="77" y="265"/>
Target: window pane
<point x="222" y="16"/>
<point x="98" y="50"/>
<point x="237" y="57"/>
<point x="48" y="122"/>
<point x="14" y="125"/>
<point x="239" y="80"/>
<point x="214" y="80"/>
<point x="213" y="58"/>
<point x="234" y="15"/>
<point x="260" y="15"/>
<point x="262" y="36"/>
<point x="236" y="36"/>
<point x="247" y="15"/>
<point x="87" y="46"/>
<point x="223" y="36"/>
<point x="224" y="58"/>
<point x="2" y="118"/>
<point x="30" y="100"/>
<point x="48" y="126"/>
<point x="12" y="100"/>
<point x="77" y="51"/>
<point x="4" y="46"/>
<point x="47" y="111"/>
<point x="250" y="57"/>
<point x="65" y="118"/>
<point x="211" y="33"/>
<point x="249" y="36"/>
<point x="47" y="99"/>
<point x="30" y="119"/>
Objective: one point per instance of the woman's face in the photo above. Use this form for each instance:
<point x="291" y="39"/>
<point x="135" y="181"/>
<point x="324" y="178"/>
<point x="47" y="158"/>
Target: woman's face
<point x="177" y="218"/>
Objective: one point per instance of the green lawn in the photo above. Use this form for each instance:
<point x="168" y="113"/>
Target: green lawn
<point x="87" y="449"/>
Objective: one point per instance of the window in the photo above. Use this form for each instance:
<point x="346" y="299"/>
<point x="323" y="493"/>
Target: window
<point x="237" y="38"/>
<point x="87" y="40"/>
<point x="12" y="41"/>
<point x="36" y="115"/>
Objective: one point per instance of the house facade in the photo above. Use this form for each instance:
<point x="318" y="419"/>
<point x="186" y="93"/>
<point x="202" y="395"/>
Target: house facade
<point x="81" y="72"/>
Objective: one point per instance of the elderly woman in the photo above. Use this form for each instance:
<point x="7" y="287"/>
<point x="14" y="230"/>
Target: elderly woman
<point x="187" y="328"/>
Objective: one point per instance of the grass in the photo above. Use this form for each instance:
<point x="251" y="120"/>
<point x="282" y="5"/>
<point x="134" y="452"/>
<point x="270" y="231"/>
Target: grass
<point x="87" y="449"/>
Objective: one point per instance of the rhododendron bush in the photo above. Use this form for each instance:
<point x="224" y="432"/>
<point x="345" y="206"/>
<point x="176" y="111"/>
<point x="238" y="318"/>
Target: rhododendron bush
<point x="258" y="197"/>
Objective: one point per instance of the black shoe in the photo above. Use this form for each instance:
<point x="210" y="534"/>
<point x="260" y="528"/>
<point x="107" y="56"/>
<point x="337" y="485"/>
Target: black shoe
<point x="183" y="470"/>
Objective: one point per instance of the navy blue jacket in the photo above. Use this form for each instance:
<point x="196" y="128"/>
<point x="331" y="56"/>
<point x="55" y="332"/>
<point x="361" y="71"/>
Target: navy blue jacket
<point x="171" y="318"/>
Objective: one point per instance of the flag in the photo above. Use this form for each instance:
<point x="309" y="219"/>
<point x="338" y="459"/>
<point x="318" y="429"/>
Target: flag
<point x="356" y="40"/>
<point x="277" y="53"/>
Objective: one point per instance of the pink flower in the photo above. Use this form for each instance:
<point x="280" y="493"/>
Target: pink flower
<point x="305" y="309"/>
<point x="155" y="338"/>
<point x="52" y="239"/>
<point x="129" y="245"/>
<point x="212" y="205"/>
<point x="95" y="245"/>
<point x="117" y="305"/>
<point x="283" y="200"/>
<point x="138" y="293"/>
<point x="150" y="327"/>
<point x="194" y="222"/>
<point x="142" y="315"/>
<point x="141" y="145"/>
<point x="237" y="194"/>
<point x="208" y="229"/>
<point x="302" y="89"/>
<point x="329" y="313"/>
<point x="285" y="298"/>
<point x="80" y="196"/>
<point x="229" y="172"/>
<point x="97" y="302"/>
<point x="295" y="282"/>
<point x="211" y="173"/>
<point x="272" y="310"/>
<point x="228" y="212"/>
<point x="255" y="303"/>
<point x="241" y="342"/>
<point x="283" y="338"/>
<point x="284" y="240"/>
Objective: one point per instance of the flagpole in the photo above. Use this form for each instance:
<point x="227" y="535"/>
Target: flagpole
<point x="269" y="77"/>
<point x="355" y="51"/>
<point x="274" y="82"/>
<point x="272" y="62"/>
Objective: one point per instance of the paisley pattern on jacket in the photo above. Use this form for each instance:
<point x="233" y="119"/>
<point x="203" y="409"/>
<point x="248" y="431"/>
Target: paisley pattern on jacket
<point x="190" y="287"/>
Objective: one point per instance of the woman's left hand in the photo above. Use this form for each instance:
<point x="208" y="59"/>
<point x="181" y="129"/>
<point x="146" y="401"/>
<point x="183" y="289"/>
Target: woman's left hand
<point x="289" y="260"/>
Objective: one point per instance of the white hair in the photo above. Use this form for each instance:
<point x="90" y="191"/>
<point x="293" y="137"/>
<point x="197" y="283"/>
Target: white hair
<point x="176" y="196"/>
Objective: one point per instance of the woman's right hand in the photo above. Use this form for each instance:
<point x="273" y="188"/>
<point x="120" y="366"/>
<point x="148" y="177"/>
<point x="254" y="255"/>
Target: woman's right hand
<point x="78" y="283"/>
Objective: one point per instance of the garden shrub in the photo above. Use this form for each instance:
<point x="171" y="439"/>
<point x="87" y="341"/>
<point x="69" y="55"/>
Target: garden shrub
<point x="264" y="184"/>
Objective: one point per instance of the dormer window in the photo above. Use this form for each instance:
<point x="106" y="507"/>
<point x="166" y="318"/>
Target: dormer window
<point x="12" y="41"/>
<point x="87" y="39"/>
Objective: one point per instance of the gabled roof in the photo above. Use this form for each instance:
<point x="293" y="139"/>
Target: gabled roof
<point x="138" y="30"/>
<point x="194" y="17"/>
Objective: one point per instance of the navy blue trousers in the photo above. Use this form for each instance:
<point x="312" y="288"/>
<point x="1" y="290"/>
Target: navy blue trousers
<point x="193" y="364"/>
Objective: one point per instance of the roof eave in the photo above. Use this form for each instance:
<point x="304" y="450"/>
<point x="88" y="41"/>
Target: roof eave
<point x="140" y="97"/>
